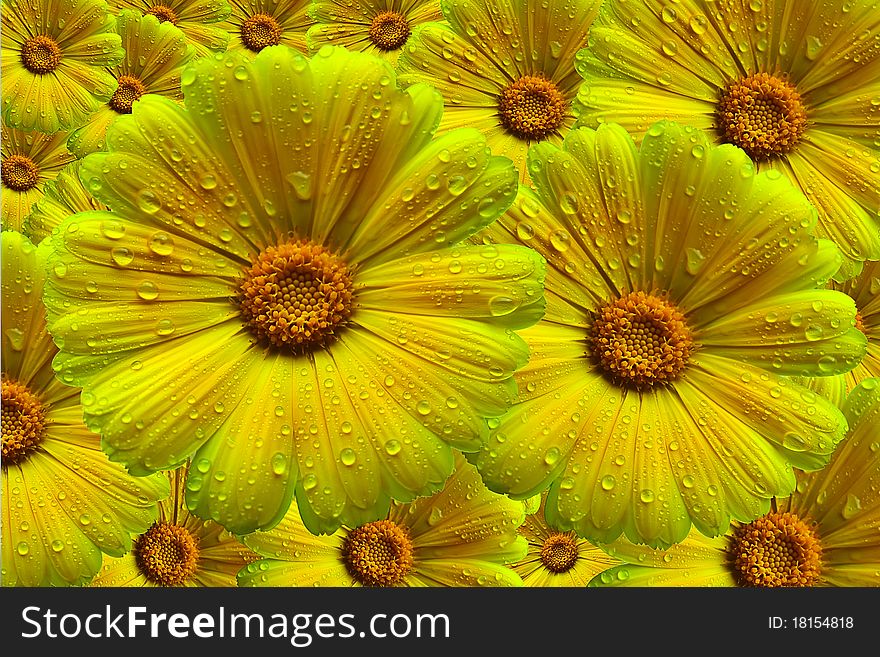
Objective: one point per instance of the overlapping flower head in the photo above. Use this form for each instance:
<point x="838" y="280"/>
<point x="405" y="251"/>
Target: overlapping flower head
<point x="380" y="27"/>
<point x="464" y="535"/>
<point x="62" y="197"/>
<point x="506" y="67"/>
<point x="200" y="20"/>
<point x="53" y="58"/>
<point x="64" y="503"/>
<point x="795" y="84"/>
<point x="681" y="288"/>
<point x="826" y="534"/>
<point x="279" y="295"/>
<point x="257" y="24"/>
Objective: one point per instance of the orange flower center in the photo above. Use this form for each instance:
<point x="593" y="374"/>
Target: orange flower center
<point x="762" y="114"/>
<point x="559" y="552"/>
<point x="163" y="13"/>
<point x="641" y="339"/>
<point x="19" y="173"/>
<point x="860" y="323"/>
<point x="128" y="90"/>
<point x="389" y="30"/>
<point x="23" y="422"/>
<point x="260" y="31"/>
<point x="778" y="549"/>
<point x="297" y="294"/>
<point x="379" y="553"/>
<point x="532" y="108"/>
<point x="40" y="54"/>
<point x="166" y="554"/>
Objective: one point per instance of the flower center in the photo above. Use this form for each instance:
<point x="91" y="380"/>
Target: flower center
<point x="40" y="54"/>
<point x="19" y="173"/>
<point x="761" y="114"/>
<point x="778" y="549"/>
<point x="23" y="422"/>
<point x="297" y="294"/>
<point x="128" y="90"/>
<point x="260" y="31"/>
<point x="532" y="108"/>
<point x="166" y="554"/>
<point x="860" y="323"/>
<point x="389" y="30"/>
<point x="163" y="13"/>
<point x="379" y="553"/>
<point x="559" y="552"/>
<point x="641" y="339"/>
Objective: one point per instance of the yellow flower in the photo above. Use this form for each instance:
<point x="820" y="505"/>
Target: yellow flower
<point x="505" y="67"/>
<point x="54" y="53"/>
<point x="62" y="197"/>
<point x="279" y="293"/>
<point x="793" y="83"/>
<point x="463" y="535"/>
<point x="178" y="549"/>
<point x="680" y="298"/>
<point x="826" y="534"/>
<point x="865" y="291"/>
<point x="557" y="558"/>
<point x="155" y="54"/>
<point x="380" y="27"/>
<point x="64" y="503"/>
<point x="256" y="24"/>
<point x="29" y="160"/>
<point x="197" y="19"/>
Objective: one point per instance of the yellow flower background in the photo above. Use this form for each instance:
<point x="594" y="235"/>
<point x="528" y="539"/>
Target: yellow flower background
<point x="440" y="293"/>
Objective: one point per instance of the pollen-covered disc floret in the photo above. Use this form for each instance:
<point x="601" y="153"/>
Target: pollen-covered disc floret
<point x="559" y="553"/>
<point x="23" y="420"/>
<point x="379" y="553"/>
<point x="776" y="550"/>
<point x="641" y="339"/>
<point x="19" y="173"/>
<point x="389" y="30"/>
<point x="297" y="295"/>
<point x="163" y="13"/>
<point x="762" y="114"/>
<point x="129" y="89"/>
<point x="166" y="554"/>
<point x="260" y="31"/>
<point x="40" y="54"/>
<point x="532" y="107"/>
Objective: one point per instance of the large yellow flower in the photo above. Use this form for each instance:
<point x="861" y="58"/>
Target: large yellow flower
<point x="62" y="197"/>
<point x="257" y="24"/>
<point x="793" y="83"/>
<point x="64" y="503"/>
<point x="465" y="535"/>
<point x="506" y="67"/>
<point x="29" y="160"/>
<point x="279" y="292"/>
<point x="826" y="534"/>
<point x="380" y="27"/>
<point x="54" y="53"/>
<point x="155" y="54"/>
<point x="197" y="19"/>
<point x="178" y="549"/>
<point x="557" y="558"/>
<point x="680" y="296"/>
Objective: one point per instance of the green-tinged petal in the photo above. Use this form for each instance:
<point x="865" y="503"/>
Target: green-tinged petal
<point x="642" y="576"/>
<point x="62" y="198"/>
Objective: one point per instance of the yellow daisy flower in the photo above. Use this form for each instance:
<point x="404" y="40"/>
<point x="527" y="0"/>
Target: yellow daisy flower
<point x="795" y="84"/>
<point x="256" y="24"/>
<point x="380" y="27"/>
<point x="283" y="298"/>
<point x="680" y="296"/>
<point x="62" y="197"/>
<point x="865" y="291"/>
<point x="29" y="161"/>
<point x="53" y="58"/>
<point x="178" y="549"/>
<point x="64" y="503"/>
<point x="826" y="534"/>
<point x="155" y="54"/>
<point x="557" y="558"/>
<point x="197" y="19"/>
<point x="463" y="535"/>
<point x="505" y="67"/>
